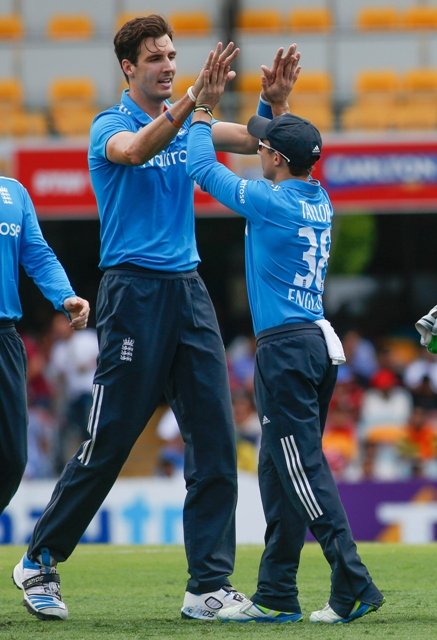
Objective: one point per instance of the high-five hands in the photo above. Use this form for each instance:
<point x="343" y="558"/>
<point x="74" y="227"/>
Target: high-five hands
<point x="216" y="72"/>
<point x="278" y="81"/>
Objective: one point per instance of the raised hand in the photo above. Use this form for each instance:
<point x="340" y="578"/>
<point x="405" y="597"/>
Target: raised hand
<point x="277" y="82"/>
<point x="215" y="73"/>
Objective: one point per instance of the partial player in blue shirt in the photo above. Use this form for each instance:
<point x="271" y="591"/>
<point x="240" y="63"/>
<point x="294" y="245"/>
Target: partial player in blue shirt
<point x="22" y="244"/>
<point x="289" y="217"/>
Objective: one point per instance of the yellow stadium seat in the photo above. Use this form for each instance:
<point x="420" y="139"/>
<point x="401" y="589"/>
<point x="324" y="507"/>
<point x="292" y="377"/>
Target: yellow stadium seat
<point x="420" y="17"/>
<point x="414" y="117"/>
<point x="419" y="93"/>
<point x="72" y="105"/>
<point x="181" y="84"/>
<point x="321" y="115"/>
<point x="190" y="23"/>
<point x="124" y="17"/>
<point x="377" y="85"/>
<point x="11" y="95"/>
<point x="72" y="121"/>
<point x="313" y="87"/>
<point x="24" y="124"/>
<point x="77" y="90"/>
<point x="370" y="117"/>
<point x="249" y="82"/>
<point x="375" y="18"/>
<point x="310" y="19"/>
<point x="11" y="27"/>
<point x="260" y="20"/>
<point x="70" y="27"/>
<point x="421" y="80"/>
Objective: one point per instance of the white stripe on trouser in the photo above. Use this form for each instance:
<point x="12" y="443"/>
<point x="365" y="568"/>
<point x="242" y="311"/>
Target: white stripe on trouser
<point x="299" y="479"/>
<point x="93" y="421"/>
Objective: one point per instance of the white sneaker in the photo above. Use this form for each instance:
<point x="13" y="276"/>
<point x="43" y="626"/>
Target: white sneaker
<point x="41" y="589"/>
<point x="207" y="605"/>
<point x="327" y="615"/>
<point x="251" y="612"/>
<point x="360" y="609"/>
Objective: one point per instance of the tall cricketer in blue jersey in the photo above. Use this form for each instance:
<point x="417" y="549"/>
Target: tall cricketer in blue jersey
<point x="157" y="329"/>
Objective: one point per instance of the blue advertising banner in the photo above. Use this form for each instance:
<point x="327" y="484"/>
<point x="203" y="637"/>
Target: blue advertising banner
<point x="149" y="511"/>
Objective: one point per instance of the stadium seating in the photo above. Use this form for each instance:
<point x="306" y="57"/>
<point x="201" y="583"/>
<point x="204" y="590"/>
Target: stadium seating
<point x="377" y="85"/>
<point x="312" y="99"/>
<point x="373" y="117"/>
<point x="418" y="108"/>
<point x="15" y="119"/>
<point x="249" y="82"/>
<point x="70" y="26"/>
<point x="181" y="84"/>
<point x="420" y="16"/>
<point x="310" y="19"/>
<point x="261" y="21"/>
<point x="72" y="105"/>
<point x="377" y="93"/>
<point x="24" y="124"/>
<point x="420" y="84"/>
<point x="415" y="117"/>
<point x="124" y="17"/>
<point x="80" y="91"/>
<point x="11" y="27"/>
<point x="378" y="18"/>
<point x="313" y="86"/>
<point x="11" y="95"/>
<point x="190" y="23"/>
<point x="321" y="115"/>
<point x="337" y="34"/>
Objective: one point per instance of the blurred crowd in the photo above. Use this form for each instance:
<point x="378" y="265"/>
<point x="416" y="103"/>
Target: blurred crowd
<point x="382" y="422"/>
<point x="61" y="365"/>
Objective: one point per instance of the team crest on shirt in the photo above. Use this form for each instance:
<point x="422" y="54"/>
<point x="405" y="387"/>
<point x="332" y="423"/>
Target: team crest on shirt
<point x="127" y="349"/>
<point x="5" y="196"/>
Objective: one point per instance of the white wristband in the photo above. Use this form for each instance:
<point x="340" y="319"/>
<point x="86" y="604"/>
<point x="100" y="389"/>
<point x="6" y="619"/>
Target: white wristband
<point x="191" y="95"/>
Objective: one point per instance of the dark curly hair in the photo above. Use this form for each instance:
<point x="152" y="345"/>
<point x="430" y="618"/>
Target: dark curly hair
<point x="129" y="38"/>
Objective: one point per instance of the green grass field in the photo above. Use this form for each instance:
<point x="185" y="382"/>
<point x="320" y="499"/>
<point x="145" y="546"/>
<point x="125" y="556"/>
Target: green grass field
<point x="118" y="593"/>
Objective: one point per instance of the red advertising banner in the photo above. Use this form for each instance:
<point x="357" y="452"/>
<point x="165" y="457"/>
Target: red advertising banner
<point x="58" y="182"/>
<point x="359" y="175"/>
<point x="57" y="179"/>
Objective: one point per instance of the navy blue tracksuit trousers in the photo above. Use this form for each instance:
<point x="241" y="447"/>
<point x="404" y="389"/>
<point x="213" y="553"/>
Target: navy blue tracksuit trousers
<point x="158" y="334"/>
<point x="13" y="412"/>
<point x="294" y="382"/>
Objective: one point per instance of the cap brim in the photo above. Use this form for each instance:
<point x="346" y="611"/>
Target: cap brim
<point x="257" y="126"/>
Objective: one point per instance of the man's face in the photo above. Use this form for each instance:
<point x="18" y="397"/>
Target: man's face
<point x="155" y="68"/>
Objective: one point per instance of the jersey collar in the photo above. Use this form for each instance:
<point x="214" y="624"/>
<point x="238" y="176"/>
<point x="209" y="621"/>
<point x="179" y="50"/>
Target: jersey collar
<point x="135" y="111"/>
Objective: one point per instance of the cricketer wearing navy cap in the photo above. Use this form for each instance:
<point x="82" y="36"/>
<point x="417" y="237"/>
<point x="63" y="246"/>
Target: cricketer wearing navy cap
<point x="296" y="139"/>
<point x="287" y="246"/>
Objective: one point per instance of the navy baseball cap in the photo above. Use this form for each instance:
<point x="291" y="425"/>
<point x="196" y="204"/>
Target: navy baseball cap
<point x="296" y="138"/>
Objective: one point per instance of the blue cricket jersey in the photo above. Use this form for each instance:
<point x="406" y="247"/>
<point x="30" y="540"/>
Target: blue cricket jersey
<point x="21" y="242"/>
<point x="146" y="212"/>
<point x="288" y="235"/>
